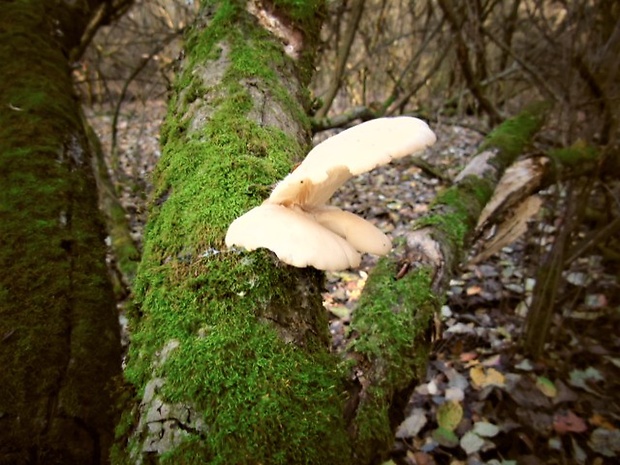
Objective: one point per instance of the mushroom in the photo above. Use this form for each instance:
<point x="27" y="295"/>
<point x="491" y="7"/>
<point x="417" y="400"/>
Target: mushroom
<point x="296" y="224"/>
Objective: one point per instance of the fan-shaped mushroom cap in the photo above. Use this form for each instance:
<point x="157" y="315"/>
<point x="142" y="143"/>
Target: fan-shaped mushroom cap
<point x="354" y="151"/>
<point x="294" y="221"/>
<point x="294" y="236"/>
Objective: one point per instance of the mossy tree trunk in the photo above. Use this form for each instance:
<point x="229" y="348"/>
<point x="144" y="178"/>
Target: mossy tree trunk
<point x="229" y="352"/>
<point x="229" y="356"/>
<point x="59" y="338"/>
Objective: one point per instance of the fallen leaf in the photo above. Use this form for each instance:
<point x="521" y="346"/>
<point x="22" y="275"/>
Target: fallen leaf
<point x="340" y="311"/>
<point x="579" y="454"/>
<point x="493" y="361"/>
<point x="595" y="301"/>
<point x="420" y="458"/>
<point x="555" y="443"/>
<point x="605" y="442"/>
<point x="568" y="422"/>
<point x="485" y="429"/>
<point x="614" y="361"/>
<point x="473" y="290"/>
<point x="599" y="420"/>
<point x="577" y="278"/>
<point x="455" y="394"/>
<point x="541" y="422"/>
<point x="461" y="328"/>
<point x="482" y="377"/>
<point x="581" y="378"/>
<point x="471" y="442"/>
<point x="455" y="379"/>
<point x="524" y="365"/>
<point x="449" y="415"/>
<point x="468" y="356"/>
<point x="412" y="424"/>
<point x="445" y="437"/>
<point x="546" y="386"/>
<point x="565" y="394"/>
<point x="524" y="392"/>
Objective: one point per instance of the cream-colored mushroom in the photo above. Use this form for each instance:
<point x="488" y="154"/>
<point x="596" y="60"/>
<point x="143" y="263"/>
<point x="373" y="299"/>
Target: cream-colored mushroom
<point x="354" y="151"/>
<point x="294" y="236"/>
<point x="296" y="224"/>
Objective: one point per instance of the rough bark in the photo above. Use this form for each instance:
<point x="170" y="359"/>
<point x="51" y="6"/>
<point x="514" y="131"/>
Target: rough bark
<point x="472" y="78"/>
<point x="229" y="357"/>
<point x="59" y="338"/>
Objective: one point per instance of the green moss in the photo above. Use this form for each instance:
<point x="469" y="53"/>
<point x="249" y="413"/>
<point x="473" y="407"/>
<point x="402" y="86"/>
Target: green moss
<point x="391" y="324"/>
<point x="265" y="400"/>
<point x="56" y="306"/>
<point x="454" y="212"/>
<point x="514" y="134"/>
<point x="579" y="154"/>
<point x="307" y="16"/>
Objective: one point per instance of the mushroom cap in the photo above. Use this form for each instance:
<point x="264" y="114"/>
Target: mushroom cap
<point x="361" y="234"/>
<point x="353" y="151"/>
<point x="294" y="221"/>
<point x="294" y="236"/>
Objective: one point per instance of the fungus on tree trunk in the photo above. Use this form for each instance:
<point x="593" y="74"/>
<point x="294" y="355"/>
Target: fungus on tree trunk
<point x="296" y="224"/>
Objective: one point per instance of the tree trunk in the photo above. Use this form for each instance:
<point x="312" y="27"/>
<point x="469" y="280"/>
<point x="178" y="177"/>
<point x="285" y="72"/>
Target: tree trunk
<point x="59" y="338"/>
<point x="230" y="351"/>
<point x="229" y="355"/>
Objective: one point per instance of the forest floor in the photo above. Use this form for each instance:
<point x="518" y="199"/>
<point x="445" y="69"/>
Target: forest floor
<point x="482" y="400"/>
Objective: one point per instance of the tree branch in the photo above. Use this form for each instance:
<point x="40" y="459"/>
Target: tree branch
<point x="391" y="323"/>
<point x="343" y="54"/>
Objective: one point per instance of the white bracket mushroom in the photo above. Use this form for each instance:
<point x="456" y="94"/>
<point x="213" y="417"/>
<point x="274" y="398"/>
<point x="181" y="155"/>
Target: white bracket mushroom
<point x="296" y="224"/>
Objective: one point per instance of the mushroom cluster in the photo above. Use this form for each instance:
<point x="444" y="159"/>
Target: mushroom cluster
<point x="296" y="223"/>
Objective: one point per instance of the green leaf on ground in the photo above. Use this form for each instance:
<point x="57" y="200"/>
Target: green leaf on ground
<point x="449" y="415"/>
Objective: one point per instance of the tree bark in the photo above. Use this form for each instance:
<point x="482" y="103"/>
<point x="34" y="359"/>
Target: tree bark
<point x="59" y="337"/>
<point x="357" y="8"/>
<point x="463" y="58"/>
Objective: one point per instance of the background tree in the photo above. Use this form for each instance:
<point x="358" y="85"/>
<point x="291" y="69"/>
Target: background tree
<point x="60" y="341"/>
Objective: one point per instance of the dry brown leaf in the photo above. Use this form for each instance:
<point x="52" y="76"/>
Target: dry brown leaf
<point x="481" y="377"/>
<point x="511" y="229"/>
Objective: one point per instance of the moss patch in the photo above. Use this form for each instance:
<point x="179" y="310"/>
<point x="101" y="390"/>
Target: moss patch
<point x="391" y="324"/>
<point x="56" y="304"/>
<point x="512" y="136"/>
